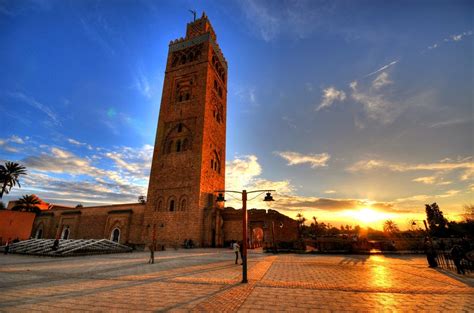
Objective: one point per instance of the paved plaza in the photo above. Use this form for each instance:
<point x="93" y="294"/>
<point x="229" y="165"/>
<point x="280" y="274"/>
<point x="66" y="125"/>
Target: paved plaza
<point x="207" y="280"/>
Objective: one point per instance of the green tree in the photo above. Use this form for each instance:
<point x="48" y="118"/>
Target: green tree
<point x="28" y="203"/>
<point x="10" y="176"/>
<point x="2" y="206"/>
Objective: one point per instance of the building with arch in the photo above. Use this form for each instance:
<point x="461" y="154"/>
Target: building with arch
<point x="188" y="163"/>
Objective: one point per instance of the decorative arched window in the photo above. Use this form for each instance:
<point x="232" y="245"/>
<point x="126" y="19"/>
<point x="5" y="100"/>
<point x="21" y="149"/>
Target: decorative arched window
<point x="159" y="207"/>
<point x="182" y="206"/>
<point x="184" y="145"/>
<point x="65" y="233"/>
<point x="178" y="139"/>
<point x="171" y="207"/>
<point x="39" y="232"/>
<point x="169" y="147"/>
<point x="115" y="234"/>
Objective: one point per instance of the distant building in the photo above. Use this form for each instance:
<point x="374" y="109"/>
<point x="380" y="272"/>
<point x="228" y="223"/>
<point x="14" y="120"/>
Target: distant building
<point x="188" y="166"/>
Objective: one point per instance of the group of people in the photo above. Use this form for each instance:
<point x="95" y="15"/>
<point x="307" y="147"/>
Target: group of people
<point x="457" y="251"/>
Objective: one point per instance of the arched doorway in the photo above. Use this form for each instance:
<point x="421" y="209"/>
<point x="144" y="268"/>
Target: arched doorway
<point x="257" y="237"/>
<point x="65" y="234"/>
<point x="115" y="235"/>
<point x="39" y="233"/>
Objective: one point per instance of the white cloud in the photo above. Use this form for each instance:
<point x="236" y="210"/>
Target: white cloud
<point x="295" y="158"/>
<point x="329" y="191"/>
<point x="330" y="95"/>
<point x="381" y="80"/>
<point x="17" y="140"/>
<point x="375" y="103"/>
<point x="35" y="104"/>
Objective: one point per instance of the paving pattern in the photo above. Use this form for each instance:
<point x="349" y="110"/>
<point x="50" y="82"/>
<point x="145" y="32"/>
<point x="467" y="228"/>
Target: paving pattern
<point x="200" y="280"/>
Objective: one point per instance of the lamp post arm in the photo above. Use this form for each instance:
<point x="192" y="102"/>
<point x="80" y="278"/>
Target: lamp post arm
<point x="231" y="191"/>
<point x="262" y="190"/>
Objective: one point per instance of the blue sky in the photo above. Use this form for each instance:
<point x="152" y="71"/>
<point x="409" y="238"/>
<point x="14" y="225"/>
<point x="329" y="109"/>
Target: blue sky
<point x="339" y="105"/>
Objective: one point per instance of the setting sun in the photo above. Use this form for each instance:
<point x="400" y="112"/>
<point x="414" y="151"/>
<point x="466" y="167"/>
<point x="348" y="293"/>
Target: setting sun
<point x="367" y="216"/>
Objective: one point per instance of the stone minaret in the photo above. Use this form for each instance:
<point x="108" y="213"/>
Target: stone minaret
<point x="189" y="156"/>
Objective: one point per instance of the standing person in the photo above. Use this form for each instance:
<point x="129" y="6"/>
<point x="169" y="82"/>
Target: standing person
<point x="241" y="250"/>
<point x="152" y="253"/>
<point x="236" y="249"/>
<point x="430" y="253"/>
<point x="457" y="255"/>
<point x="55" y="245"/>
<point x="7" y="247"/>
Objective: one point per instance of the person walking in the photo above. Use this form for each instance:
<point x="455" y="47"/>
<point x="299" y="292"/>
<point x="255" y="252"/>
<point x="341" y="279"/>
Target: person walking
<point x="236" y="248"/>
<point x="152" y="253"/>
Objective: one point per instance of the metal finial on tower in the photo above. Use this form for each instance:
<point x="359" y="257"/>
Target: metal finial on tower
<point x="194" y="14"/>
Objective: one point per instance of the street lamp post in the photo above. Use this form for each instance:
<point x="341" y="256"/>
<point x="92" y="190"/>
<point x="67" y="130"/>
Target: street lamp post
<point x="244" y="193"/>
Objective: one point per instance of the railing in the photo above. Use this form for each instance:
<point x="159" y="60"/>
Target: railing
<point x="445" y="261"/>
<point x="67" y="247"/>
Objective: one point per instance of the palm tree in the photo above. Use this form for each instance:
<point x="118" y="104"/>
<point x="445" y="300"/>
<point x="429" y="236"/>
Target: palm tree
<point x="28" y="203"/>
<point x="9" y="176"/>
<point x="390" y="227"/>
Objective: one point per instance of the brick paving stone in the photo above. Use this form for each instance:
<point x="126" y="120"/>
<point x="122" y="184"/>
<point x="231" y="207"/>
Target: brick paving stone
<point x="207" y="280"/>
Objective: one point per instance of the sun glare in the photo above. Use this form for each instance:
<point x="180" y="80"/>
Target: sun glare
<point x="367" y="216"/>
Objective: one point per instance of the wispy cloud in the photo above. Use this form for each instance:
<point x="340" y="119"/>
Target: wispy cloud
<point x="142" y="85"/>
<point x="80" y="144"/>
<point x="271" y="19"/>
<point x="93" y="29"/>
<point x="381" y="80"/>
<point x="35" y="104"/>
<point x="375" y="103"/>
<point x="450" y="122"/>
<point x="450" y="38"/>
<point x="386" y="66"/>
<point x="466" y="166"/>
<point x="331" y="95"/>
<point x="314" y="160"/>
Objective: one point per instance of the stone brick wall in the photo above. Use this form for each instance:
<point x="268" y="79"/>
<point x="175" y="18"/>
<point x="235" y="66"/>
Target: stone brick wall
<point x="93" y="222"/>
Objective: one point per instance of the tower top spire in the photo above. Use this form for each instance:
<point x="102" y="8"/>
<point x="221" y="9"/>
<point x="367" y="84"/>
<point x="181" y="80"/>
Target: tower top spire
<point x="199" y="26"/>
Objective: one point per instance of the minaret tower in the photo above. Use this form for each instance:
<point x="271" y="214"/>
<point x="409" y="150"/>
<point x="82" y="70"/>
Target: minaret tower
<point x="189" y="155"/>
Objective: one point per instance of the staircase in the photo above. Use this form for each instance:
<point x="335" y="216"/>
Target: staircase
<point x="68" y="247"/>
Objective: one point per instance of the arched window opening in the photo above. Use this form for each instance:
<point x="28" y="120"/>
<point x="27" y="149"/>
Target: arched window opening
<point x="184" y="146"/>
<point x="39" y="233"/>
<point x="170" y="147"/>
<point x="160" y="204"/>
<point x="65" y="234"/>
<point x="183" y="205"/>
<point x="180" y="127"/>
<point x="183" y="59"/>
<point x="187" y="96"/>
<point x="178" y="146"/>
<point x="180" y="98"/>
<point x="115" y="235"/>
<point x="171" y="205"/>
